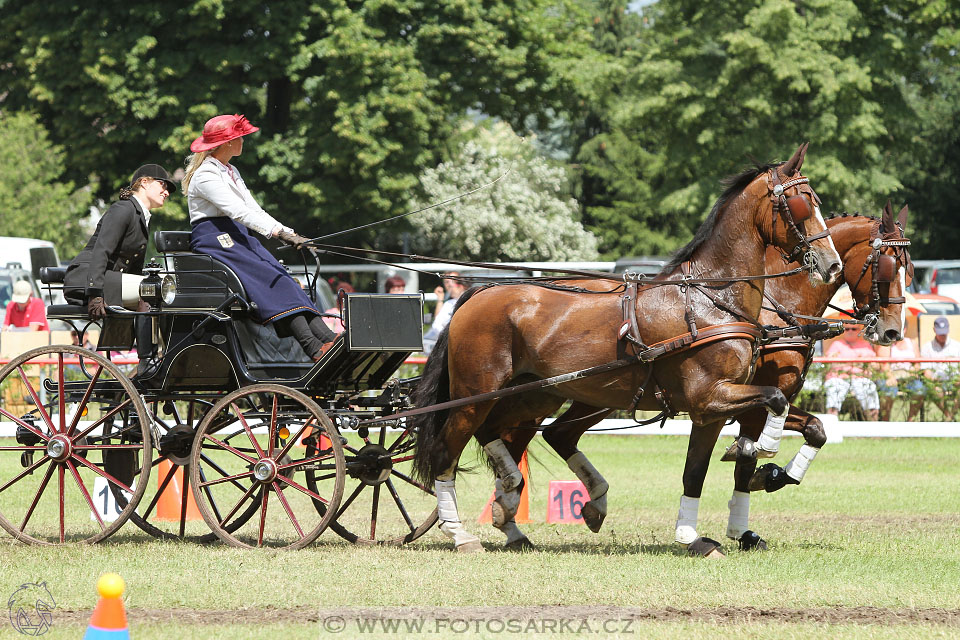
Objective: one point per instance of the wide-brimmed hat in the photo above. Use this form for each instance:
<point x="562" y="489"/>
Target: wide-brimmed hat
<point x="156" y="172"/>
<point x="21" y="292"/>
<point x="222" y="129"/>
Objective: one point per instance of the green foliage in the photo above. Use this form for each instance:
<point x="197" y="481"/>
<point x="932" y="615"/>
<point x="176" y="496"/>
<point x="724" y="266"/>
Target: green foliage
<point x="527" y="215"/>
<point x="31" y="187"/>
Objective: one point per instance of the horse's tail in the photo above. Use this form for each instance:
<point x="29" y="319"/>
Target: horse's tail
<point x="429" y="456"/>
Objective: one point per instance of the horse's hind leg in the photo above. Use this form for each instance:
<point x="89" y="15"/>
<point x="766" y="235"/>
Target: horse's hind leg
<point x="516" y="441"/>
<point x="563" y="438"/>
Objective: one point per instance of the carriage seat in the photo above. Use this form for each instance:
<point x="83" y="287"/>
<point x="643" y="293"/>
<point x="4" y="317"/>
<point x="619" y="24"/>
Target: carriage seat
<point x="55" y="275"/>
<point x="202" y="281"/>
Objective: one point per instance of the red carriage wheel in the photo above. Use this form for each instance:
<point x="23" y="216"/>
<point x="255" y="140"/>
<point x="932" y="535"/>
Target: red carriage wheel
<point x="245" y="457"/>
<point x="73" y="429"/>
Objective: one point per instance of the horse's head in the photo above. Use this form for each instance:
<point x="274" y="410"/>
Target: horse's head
<point x="797" y="227"/>
<point x="878" y="275"/>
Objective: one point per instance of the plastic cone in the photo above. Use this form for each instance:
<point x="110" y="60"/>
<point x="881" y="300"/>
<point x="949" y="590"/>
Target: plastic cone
<point x="523" y="510"/>
<point x="170" y="502"/>
<point x="109" y="619"/>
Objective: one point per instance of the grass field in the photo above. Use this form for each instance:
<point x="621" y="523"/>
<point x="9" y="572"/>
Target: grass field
<point x="867" y="547"/>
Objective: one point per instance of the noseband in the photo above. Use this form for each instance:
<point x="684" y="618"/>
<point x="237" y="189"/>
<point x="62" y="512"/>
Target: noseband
<point x="795" y="209"/>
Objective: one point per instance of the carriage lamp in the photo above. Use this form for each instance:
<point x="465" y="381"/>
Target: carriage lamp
<point x="154" y="289"/>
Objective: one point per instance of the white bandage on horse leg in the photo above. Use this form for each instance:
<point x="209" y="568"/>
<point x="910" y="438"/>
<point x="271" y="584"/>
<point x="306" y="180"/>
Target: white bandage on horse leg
<point x="508" y="528"/>
<point x="504" y="465"/>
<point x="449" y="515"/>
<point x="797" y="467"/>
<point x="596" y="486"/>
<point x="769" y="440"/>
<point x="687" y="520"/>
<point x="739" y="520"/>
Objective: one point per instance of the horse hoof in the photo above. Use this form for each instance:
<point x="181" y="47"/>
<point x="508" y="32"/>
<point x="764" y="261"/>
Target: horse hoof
<point x="523" y="544"/>
<point x="592" y="516"/>
<point x="751" y="541"/>
<point x="770" y="478"/>
<point x="497" y="514"/>
<point x="473" y="546"/>
<point x="705" y="548"/>
<point x="732" y="452"/>
<point x="763" y="453"/>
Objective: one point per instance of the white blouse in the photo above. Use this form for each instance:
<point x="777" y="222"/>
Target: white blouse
<point x="217" y="190"/>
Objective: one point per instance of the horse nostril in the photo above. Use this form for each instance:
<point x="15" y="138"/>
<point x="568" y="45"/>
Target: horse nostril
<point x="892" y="335"/>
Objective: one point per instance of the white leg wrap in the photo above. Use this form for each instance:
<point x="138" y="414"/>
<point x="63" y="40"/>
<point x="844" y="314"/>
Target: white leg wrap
<point x="739" y="520"/>
<point x="769" y="440"/>
<point x="687" y="520"/>
<point x="504" y="465"/>
<point x="449" y="516"/>
<point x="798" y="466"/>
<point x="596" y="486"/>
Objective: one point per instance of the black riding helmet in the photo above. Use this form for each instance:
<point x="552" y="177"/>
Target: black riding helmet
<point x="156" y="172"/>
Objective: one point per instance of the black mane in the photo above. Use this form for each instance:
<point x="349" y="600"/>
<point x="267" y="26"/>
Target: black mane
<point x="734" y="185"/>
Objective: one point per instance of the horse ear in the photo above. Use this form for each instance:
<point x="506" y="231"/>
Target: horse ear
<point x="886" y="221"/>
<point x="902" y="218"/>
<point x="793" y="165"/>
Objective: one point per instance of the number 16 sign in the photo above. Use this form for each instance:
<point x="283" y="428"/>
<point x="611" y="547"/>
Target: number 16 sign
<point x="565" y="501"/>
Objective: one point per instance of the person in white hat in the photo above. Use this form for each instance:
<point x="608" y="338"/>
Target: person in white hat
<point x="942" y="346"/>
<point x="24" y="310"/>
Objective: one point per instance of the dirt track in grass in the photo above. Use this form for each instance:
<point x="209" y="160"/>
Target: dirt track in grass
<point x="738" y="615"/>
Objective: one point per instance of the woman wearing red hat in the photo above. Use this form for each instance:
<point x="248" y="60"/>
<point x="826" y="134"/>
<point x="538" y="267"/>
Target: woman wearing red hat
<point x="107" y="271"/>
<point x="223" y="213"/>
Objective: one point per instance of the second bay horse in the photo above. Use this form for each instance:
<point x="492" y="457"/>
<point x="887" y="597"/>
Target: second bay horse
<point x="508" y="335"/>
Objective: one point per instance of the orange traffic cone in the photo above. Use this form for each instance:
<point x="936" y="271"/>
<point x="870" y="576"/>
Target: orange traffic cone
<point x="170" y="503"/>
<point x="523" y="510"/>
<point x="109" y="620"/>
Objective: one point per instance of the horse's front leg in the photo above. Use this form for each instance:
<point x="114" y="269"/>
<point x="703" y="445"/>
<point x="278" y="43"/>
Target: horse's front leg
<point x="771" y="477"/>
<point x="703" y="437"/>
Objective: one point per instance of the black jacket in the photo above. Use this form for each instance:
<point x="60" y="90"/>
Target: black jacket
<point x="119" y="244"/>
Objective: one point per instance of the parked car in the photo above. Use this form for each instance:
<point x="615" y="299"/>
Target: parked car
<point x="646" y="265"/>
<point x="935" y="305"/>
<point x="941" y="277"/>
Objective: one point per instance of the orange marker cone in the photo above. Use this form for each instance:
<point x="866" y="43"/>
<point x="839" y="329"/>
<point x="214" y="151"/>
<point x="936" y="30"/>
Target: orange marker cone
<point x="523" y="510"/>
<point x="170" y="502"/>
<point x="109" y="620"/>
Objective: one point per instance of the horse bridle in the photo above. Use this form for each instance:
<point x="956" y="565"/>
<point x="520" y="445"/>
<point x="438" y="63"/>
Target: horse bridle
<point x="885" y="267"/>
<point x="795" y="209"/>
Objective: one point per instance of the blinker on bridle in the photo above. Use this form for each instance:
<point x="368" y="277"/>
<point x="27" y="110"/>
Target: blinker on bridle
<point x="884" y="272"/>
<point x="795" y="210"/>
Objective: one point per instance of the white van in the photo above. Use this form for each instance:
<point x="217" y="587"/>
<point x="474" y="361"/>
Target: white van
<point x="31" y="254"/>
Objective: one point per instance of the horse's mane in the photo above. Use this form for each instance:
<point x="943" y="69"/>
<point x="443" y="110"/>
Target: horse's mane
<point x="734" y="185"/>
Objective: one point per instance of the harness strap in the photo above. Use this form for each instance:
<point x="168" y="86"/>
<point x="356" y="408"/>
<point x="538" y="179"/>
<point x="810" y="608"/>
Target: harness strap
<point x="704" y="336"/>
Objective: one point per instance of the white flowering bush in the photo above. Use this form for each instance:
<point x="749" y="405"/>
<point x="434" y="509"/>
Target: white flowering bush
<point x="529" y="215"/>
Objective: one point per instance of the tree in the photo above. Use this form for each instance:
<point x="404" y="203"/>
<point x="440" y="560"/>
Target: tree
<point x="31" y="188"/>
<point x="354" y="98"/>
<point x="528" y="215"/>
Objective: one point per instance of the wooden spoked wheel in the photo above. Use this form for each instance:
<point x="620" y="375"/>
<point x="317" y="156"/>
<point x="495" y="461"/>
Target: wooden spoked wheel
<point x="73" y="430"/>
<point x="246" y="455"/>
<point x="383" y="503"/>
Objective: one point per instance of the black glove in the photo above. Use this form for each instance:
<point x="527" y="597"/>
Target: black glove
<point x="97" y="308"/>
<point x="293" y="238"/>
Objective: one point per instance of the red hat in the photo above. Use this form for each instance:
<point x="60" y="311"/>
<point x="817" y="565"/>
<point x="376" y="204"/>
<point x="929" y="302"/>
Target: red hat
<point x="222" y="129"/>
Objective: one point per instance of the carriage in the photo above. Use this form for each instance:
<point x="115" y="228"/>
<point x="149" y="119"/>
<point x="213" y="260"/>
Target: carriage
<point x="230" y="423"/>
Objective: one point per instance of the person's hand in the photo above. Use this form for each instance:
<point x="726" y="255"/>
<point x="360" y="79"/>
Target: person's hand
<point x="97" y="308"/>
<point x="439" y="292"/>
<point x="293" y="238"/>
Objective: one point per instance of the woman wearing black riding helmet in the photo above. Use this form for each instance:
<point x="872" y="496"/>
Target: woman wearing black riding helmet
<point x="107" y="271"/>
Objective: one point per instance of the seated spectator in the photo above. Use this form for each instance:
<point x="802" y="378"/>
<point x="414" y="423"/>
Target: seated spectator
<point x="444" y="309"/>
<point x="24" y="310"/>
<point x="331" y="317"/>
<point x="846" y="378"/>
<point x="942" y="346"/>
<point x="899" y="374"/>
<point x="395" y="284"/>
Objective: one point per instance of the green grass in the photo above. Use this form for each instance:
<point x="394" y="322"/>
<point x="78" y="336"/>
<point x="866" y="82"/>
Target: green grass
<point x="874" y="525"/>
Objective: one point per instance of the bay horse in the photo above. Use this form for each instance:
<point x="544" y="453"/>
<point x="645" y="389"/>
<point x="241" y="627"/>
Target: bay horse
<point x="877" y="277"/>
<point x="509" y="335"/>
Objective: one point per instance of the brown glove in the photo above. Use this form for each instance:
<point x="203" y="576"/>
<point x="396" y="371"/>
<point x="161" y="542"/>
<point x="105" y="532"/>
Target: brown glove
<point x="293" y="238"/>
<point x="97" y="308"/>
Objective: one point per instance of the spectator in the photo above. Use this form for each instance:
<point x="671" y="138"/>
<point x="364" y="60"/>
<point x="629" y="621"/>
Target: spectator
<point x="395" y="284"/>
<point x="444" y="309"/>
<point x="897" y="374"/>
<point x="24" y="310"/>
<point x="331" y="317"/>
<point x="846" y="378"/>
<point x="942" y="346"/>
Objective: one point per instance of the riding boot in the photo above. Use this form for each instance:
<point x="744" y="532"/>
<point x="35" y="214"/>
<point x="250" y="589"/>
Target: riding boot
<point x="146" y="349"/>
<point x="320" y="329"/>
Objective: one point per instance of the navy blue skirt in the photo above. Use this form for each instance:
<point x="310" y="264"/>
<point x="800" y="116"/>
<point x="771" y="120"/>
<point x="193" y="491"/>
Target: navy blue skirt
<point x="266" y="282"/>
